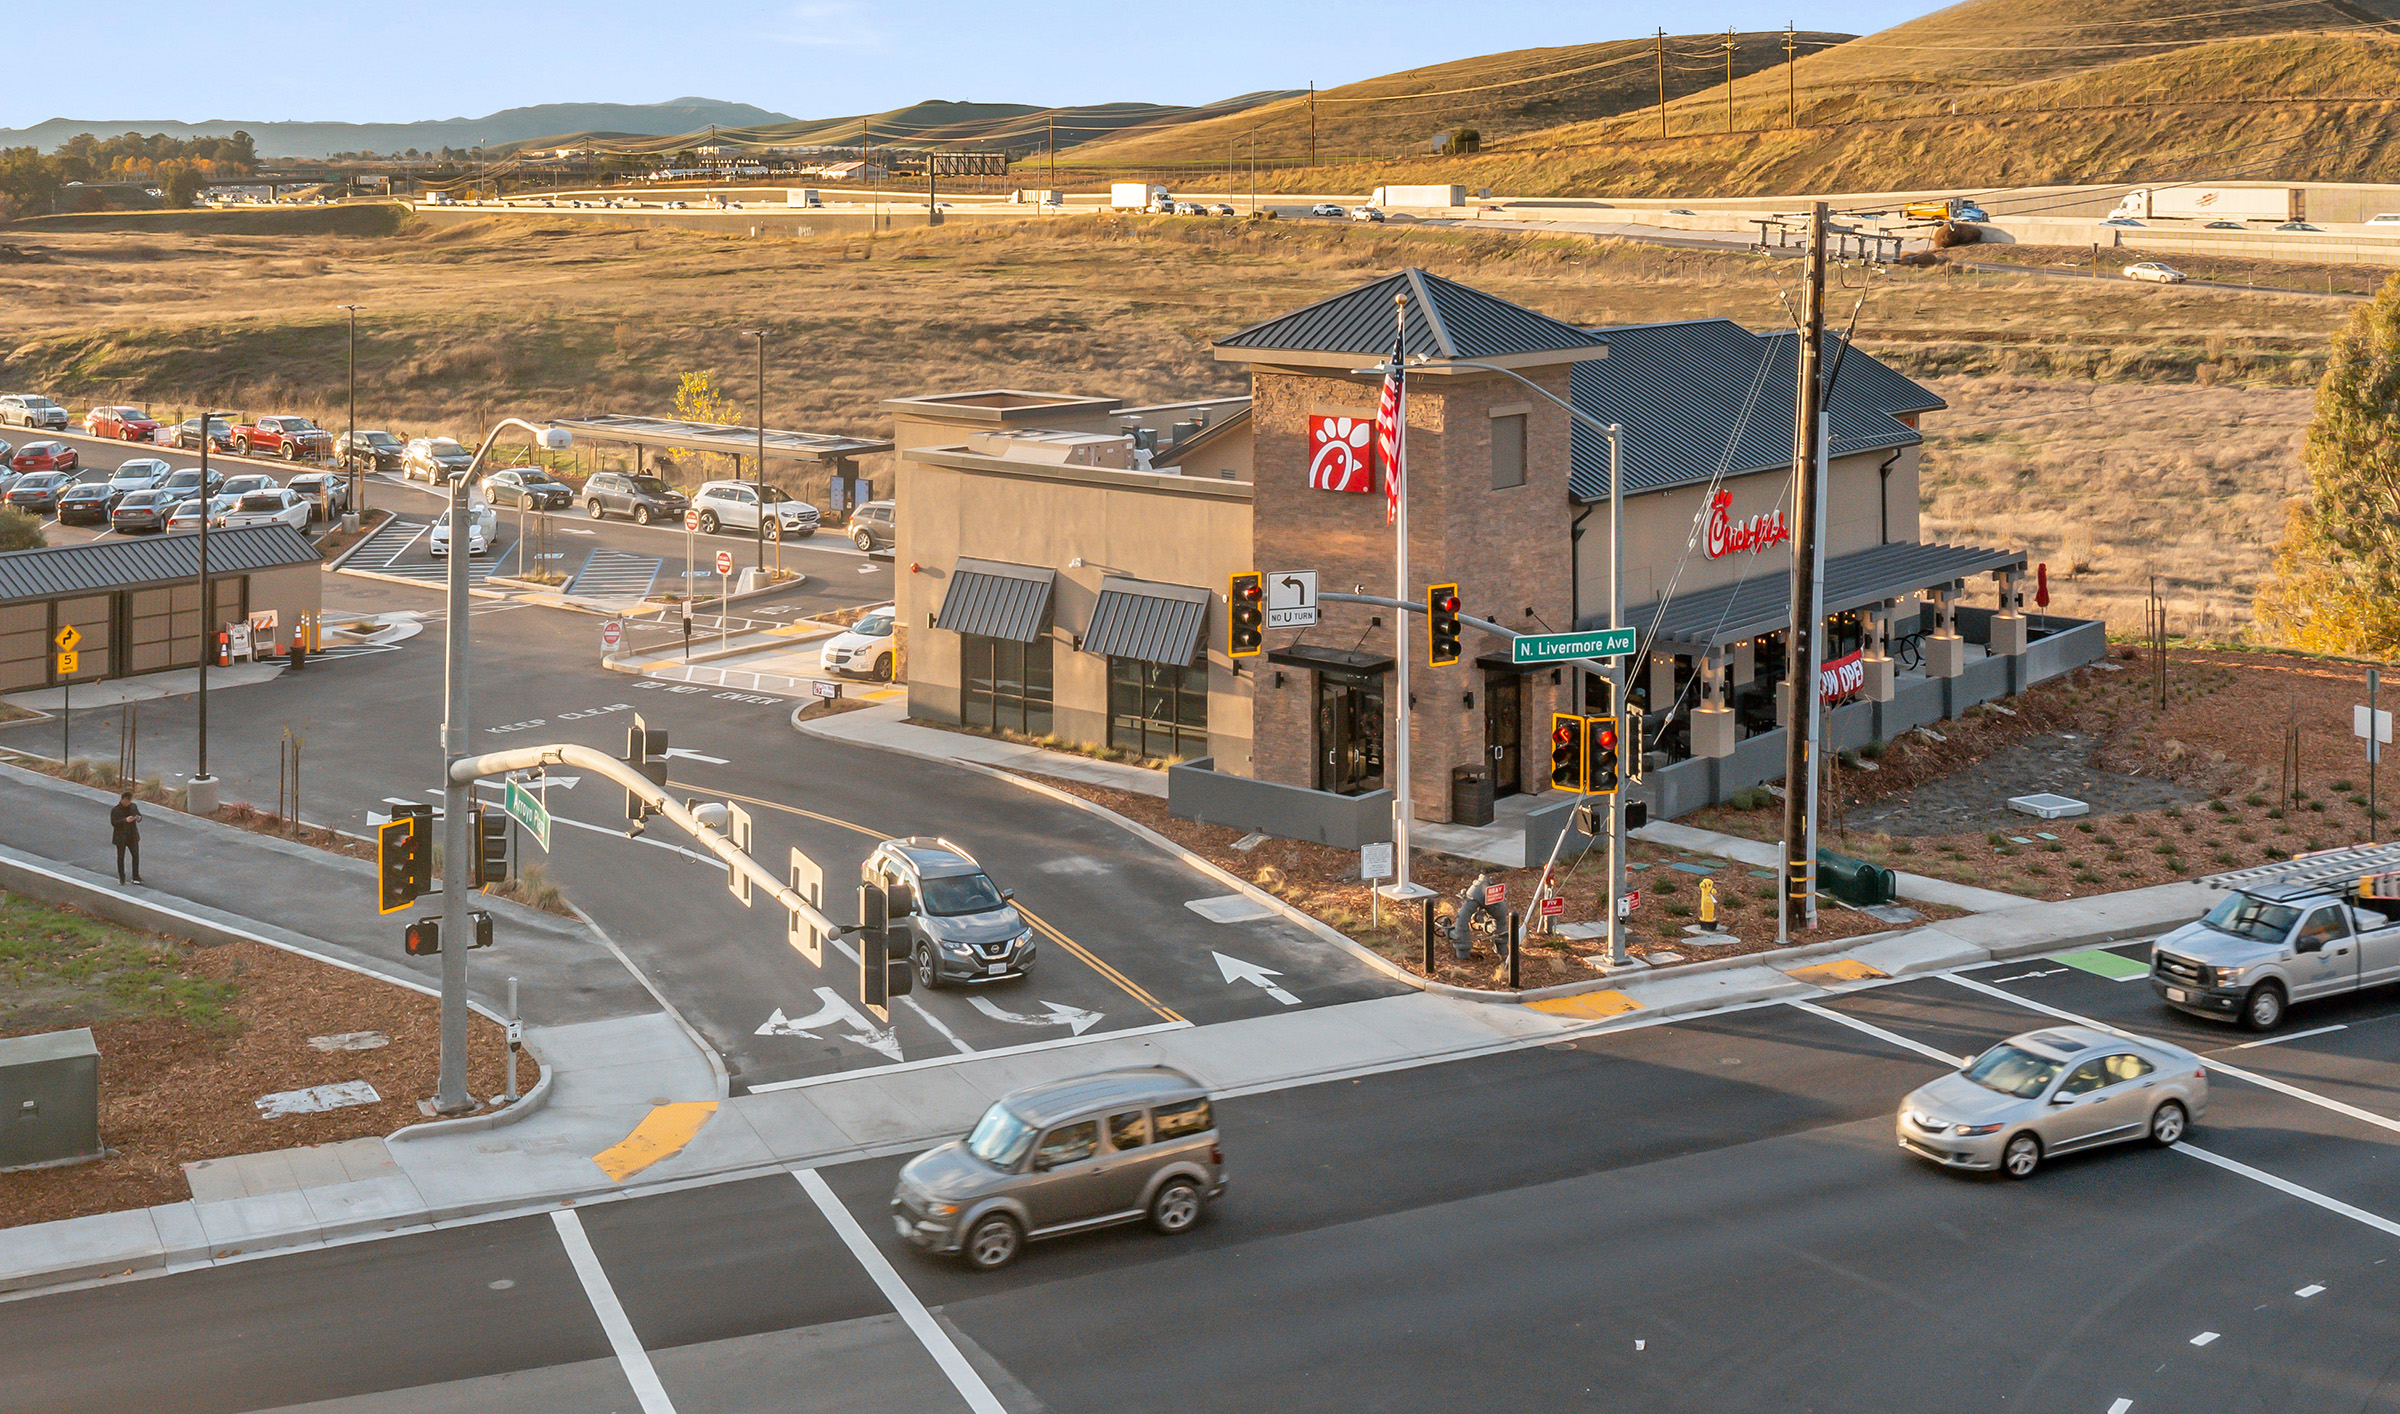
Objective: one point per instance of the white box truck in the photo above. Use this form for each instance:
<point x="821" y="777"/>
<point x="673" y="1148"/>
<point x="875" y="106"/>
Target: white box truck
<point x="2213" y="204"/>
<point x="1418" y="196"/>
<point x="1137" y="196"/>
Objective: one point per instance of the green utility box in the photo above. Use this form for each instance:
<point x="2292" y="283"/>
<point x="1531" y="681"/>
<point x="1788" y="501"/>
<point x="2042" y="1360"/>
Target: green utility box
<point x="49" y="1099"/>
<point x="1855" y="881"/>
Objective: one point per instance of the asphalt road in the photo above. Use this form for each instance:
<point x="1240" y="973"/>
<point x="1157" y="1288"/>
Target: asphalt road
<point x="1705" y="1214"/>
<point x="1119" y="949"/>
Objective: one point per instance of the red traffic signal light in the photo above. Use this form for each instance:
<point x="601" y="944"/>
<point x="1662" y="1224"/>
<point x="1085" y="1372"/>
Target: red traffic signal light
<point x="423" y="938"/>
<point x="1605" y="755"/>
<point x="1245" y="621"/>
<point x="1566" y="751"/>
<point x="1441" y="625"/>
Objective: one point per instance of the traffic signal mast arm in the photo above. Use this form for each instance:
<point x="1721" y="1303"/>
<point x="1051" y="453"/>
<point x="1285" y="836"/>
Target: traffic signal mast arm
<point x="1485" y="625"/>
<point x="468" y="769"/>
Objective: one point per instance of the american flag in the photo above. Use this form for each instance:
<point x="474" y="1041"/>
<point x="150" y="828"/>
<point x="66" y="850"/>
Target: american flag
<point x="1390" y="437"/>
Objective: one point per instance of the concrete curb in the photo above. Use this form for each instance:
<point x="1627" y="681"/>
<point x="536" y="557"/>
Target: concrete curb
<point x="434" y="585"/>
<point x="622" y="662"/>
<point x="527" y="1103"/>
<point x="364" y="535"/>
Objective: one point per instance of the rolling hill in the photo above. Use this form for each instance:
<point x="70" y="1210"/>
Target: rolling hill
<point x="1014" y="127"/>
<point x="509" y="125"/>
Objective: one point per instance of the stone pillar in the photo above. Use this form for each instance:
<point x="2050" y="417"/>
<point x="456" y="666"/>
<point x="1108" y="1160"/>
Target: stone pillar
<point x="1882" y="675"/>
<point x="2008" y="625"/>
<point x="1945" y="651"/>
<point x="1712" y="720"/>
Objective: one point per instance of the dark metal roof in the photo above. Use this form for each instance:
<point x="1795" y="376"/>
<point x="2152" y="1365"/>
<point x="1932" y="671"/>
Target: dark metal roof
<point x="1760" y="604"/>
<point x="721" y="437"/>
<point x="103" y="565"/>
<point x="1332" y="660"/>
<point x="1679" y="391"/>
<point x="995" y="599"/>
<point x="1445" y="320"/>
<point x="1157" y="623"/>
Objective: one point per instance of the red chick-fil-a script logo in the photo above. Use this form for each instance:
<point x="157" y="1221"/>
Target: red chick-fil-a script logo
<point x="1340" y="453"/>
<point x="1726" y="535"/>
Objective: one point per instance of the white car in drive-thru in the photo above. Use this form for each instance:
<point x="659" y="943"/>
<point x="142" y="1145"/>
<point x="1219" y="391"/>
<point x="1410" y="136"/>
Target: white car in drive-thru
<point x="865" y="648"/>
<point x="482" y="523"/>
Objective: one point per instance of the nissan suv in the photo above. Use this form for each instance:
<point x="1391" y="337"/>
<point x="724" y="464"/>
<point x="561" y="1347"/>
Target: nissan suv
<point x="959" y="926"/>
<point x="644" y="498"/>
<point x="733" y="505"/>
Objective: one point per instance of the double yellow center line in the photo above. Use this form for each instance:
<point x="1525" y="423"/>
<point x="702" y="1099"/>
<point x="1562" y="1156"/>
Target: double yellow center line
<point x="1041" y="925"/>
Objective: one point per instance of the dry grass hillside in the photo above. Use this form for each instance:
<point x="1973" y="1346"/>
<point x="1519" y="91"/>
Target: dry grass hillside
<point x="2089" y="419"/>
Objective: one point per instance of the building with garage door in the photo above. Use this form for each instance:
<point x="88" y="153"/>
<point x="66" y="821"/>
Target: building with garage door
<point x="136" y="603"/>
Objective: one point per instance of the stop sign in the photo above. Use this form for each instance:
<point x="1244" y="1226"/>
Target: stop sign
<point x="724" y="562"/>
<point x="691" y="520"/>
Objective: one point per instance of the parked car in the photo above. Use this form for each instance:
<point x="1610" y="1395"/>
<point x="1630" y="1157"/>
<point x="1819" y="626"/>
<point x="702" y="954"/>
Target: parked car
<point x="246" y="483"/>
<point x="733" y="505"/>
<point x="187" y="434"/>
<point x="186" y="483"/>
<point x="37" y="493"/>
<point x="872" y="527"/>
<point x="124" y="424"/>
<point x="1222" y="208"/>
<point x="958" y="926"/>
<point x="528" y="486"/>
<point x="2051" y="1092"/>
<point x="1969" y="211"/>
<point x="32" y="410"/>
<point x="433" y="460"/>
<point x="87" y="503"/>
<point x="372" y="450"/>
<point x="187" y="515"/>
<point x="277" y="504"/>
<point x="1326" y="208"/>
<point x="138" y="474"/>
<point x="45" y="456"/>
<point x="1066" y="1156"/>
<point x="1365" y="213"/>
<point x="328" y="493"/>
<point x="864" y="649"/>
<point x="289" y="437"/>
<point x="644" y="498"/>
<point x="482" y="523"/>
<point x="143" y="510"/>
<point x="2155" y="272"/>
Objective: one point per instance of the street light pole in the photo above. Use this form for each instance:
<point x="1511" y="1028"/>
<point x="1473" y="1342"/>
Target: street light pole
<point x="451" y="1095"/>
<point x="763" y="510"/>
<point x="357" y="510"/>
<point x="200" y="794"/>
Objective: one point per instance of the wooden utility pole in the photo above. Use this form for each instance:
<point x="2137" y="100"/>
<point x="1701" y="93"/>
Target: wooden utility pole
<point x="1054" y="150"/>
<point x="1729" y="78"/>
<point x="1312" y="122"/>
<point x="1791" y="85"/>
<point x="1800" y="645"/>
<point x="1660" y="50"/>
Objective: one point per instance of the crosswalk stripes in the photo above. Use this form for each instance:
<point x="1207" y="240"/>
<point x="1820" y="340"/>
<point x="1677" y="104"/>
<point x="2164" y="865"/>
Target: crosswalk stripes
<point x="387" y="543"/>
<point x="433" y="571"/>
<point x="614" y="574"/>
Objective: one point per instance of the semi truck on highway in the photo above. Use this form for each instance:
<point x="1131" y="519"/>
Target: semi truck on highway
<point x="2320" y="925"/>
<point x="2276" y="204"/>
<point x="1139" y="196"/>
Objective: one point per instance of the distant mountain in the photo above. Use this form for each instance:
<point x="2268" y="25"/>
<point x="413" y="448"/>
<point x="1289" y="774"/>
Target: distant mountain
<point x="1017" y="128"/>
<point x="510" y="125"/>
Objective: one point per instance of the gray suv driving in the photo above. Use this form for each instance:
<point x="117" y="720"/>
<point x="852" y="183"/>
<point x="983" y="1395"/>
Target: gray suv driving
<point x="961" y="928"/>
<point x="1064" y="1157"/>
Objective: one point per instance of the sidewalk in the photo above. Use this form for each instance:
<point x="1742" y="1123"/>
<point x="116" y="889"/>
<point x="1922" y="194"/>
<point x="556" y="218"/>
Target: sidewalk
<point x="1761" y="855"/>
<point x="582" y="1148"/>
<point x="885" y="725"/>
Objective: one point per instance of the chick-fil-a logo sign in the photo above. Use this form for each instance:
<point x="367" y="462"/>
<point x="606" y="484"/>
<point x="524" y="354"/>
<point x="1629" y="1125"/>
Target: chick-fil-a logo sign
<point x="1727" y="535"/>
<point x="1340" y="453"/>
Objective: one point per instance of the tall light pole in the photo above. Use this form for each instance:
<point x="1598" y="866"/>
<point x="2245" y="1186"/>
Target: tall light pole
<point x="357" y="510"/>
<point x="452" y="1096"/>
<point x="763" y="512"/>
<point x="200" y="794"/>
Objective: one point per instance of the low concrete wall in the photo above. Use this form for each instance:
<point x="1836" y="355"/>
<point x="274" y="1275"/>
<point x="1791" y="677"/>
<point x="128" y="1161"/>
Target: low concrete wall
<point x="1197" y="790"/>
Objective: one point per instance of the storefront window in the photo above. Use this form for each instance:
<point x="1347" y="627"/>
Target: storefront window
<point x="1157" y="709"/>
<point x="1006" y="684"/>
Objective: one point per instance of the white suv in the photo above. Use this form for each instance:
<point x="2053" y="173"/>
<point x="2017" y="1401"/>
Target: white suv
<point x="32" y="410"/>
<point x="733" y="505"/>
<point x="864" y="649"/>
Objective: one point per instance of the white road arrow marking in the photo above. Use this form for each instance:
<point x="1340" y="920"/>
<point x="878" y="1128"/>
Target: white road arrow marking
<point x="2052" y="972"/>
<point x="571" y="530"/>
<point x="1073" y="1018"/>
<point x="835" y="1011"/>
<point x="1236" y="970"/>
<point x="677" y="751"/>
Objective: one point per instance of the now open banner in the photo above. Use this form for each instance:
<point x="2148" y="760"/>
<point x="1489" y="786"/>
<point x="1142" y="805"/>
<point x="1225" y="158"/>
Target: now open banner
<point x="1843" y="676"/>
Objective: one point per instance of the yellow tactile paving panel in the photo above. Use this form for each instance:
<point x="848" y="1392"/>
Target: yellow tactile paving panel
<point x="1588" y="1004"/>
<point x="1841" y="969"/>
<point x="661" y="1135"/>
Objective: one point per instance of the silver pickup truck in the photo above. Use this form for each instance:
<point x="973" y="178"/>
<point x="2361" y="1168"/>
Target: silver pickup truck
<point x="2271" y="944"/>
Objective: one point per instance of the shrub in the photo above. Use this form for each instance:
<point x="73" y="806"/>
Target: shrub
<point x="2174" y="812"/>
<point x="2254" y="800"/>
<point x="2083" y="827"/>
<point x="1903" y="847"/>
<point x="2317" y="805"/>
<point x="2218" y="806"/>
<point x="2276" y="813"/>
<point x="2344" y="785"/>
<point x="1873" y="750"/>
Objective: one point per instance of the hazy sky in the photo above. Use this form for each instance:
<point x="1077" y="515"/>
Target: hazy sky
<point x="398" y="62"/>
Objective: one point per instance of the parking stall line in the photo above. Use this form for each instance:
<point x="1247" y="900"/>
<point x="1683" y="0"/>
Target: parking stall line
<point x="937" y="1342"/>
<point x="2262" y="1081"/>
<point x="634" y="1360"/>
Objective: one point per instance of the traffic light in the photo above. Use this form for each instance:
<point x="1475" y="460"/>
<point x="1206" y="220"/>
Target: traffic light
<point x="1566" y="751"/>
<point x="491" y="847"/>
<point x="808" y="881"/>
<point x="483" y="928"/>
<point x="1245" y="621"/>
<point x="1441" y="625"/>
<point x="404" y="857"/>
<point x="423" y="938"/>
<point x="881" y="977"/>
<point x="646" y="752"/>
<point x="1605" y="756"/>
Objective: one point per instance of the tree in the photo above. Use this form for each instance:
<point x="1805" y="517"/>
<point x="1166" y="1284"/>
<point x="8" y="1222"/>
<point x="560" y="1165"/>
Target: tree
<point x="2336" y="584"/>
<point x="28" y="180"/>
<point x="19" y="531"/>
<point x="180" y="181"/>
<point x="697" y="400"/>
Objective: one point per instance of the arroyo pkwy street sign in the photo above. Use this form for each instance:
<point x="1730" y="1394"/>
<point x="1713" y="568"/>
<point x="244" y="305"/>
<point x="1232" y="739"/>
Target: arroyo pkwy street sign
<point x="527" y="809"/>
<point x="1536" y="648"/>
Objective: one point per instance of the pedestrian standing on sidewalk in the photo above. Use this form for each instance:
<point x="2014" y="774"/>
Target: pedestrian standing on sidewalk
<point x="125" y="821"/>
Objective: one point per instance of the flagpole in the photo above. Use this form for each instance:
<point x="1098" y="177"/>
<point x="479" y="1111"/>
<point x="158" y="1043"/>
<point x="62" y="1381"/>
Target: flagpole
<point x="1403" y="808"/>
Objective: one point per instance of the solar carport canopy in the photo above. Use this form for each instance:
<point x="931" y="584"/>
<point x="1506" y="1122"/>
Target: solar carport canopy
<point x="725" y="437"/>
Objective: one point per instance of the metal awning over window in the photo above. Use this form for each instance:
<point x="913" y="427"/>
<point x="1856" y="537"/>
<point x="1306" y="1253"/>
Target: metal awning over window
<point x="1762" y="604"/>
<point x="995" y="599"/>
<point x="1156" y="623"/>
<point x="1330" y="660"/>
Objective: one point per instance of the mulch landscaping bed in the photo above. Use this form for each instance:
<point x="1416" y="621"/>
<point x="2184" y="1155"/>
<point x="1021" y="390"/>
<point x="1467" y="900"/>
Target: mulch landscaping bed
<point x="1323" y="882"/>
<point x="190" y="1036"/>
<point x="2192" y="790"/>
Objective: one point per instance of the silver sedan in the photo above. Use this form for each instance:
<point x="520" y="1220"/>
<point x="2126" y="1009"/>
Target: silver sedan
<point x="2050" y="1092"/>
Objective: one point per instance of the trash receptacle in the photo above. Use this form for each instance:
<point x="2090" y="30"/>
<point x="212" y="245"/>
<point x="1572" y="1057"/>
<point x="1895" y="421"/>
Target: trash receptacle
<point x="1854" y="881"/>
<point x="1470" y="795"/>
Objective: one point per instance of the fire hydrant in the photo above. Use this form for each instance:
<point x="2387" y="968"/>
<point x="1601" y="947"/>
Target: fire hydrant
<point x="1708" y="904"/>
